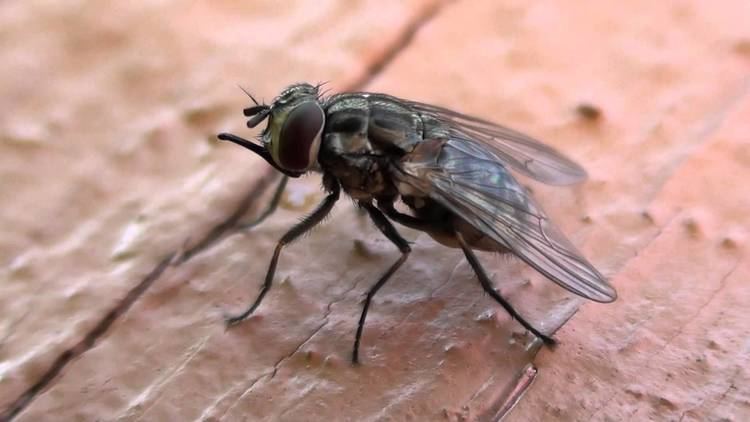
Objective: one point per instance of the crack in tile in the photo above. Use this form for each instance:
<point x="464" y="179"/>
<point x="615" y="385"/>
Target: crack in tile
<point x="157" y="388"/>
<point x="725" y="393"/>
<point x="173" y="259"/>
<point x="84" y="344"/>
<point x="228" y="225"/>
<point x="271" y="373"/>
<point x="710" y="125"/>
<point x="720" y="399"/>
<point x="205" y="415"/>
<point x="307" y="390"/>
<point x="403" y="41"/>
<point x="722" y="285"/>
<point x="299" y="346"/>
<point x="647" y="364"/>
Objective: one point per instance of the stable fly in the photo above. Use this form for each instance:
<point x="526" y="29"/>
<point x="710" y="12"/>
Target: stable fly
<point x="451" y="171"/>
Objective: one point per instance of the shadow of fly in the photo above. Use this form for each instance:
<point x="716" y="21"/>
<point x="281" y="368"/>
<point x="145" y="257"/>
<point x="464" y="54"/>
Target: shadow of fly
<point x="452" y="172"/>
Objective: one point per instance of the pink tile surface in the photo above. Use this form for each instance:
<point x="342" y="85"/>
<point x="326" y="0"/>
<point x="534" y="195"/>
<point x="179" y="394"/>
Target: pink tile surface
<point x="108" y="163"/>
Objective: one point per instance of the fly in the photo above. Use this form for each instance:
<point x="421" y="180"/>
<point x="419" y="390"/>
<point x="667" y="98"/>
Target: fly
<point x="452" y="172"/>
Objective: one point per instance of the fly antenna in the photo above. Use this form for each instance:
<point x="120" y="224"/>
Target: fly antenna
<point x="320" y="84"/>
<point x="249" y="94"/>
<point x="325" y="91"/>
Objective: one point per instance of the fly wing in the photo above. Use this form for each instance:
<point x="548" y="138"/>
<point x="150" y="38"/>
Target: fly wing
<point x="521" y="152"/>
<point x="467" y="179"/>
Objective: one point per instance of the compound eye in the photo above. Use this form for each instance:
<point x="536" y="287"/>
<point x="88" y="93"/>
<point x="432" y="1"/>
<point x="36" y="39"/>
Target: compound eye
<point x="299" y="139"/>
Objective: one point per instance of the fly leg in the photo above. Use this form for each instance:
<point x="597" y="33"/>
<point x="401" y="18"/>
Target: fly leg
<point x="484" y="280"/>
<point x="299" y="229"/>
<point x="404" y="219"/>
<point x="390" y="232"/>
<point x="271" y="206"/>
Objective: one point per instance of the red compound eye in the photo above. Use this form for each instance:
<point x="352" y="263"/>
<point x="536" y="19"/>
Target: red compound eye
<point x="299" y="137"/>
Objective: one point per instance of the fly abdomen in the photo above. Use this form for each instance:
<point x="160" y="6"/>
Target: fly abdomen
<point x="443" y="223"/>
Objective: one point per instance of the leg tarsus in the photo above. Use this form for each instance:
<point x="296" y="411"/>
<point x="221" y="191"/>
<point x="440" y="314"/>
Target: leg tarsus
<point x="231" y="320"/>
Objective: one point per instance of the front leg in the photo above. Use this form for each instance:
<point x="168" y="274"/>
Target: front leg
<point x="404" y="219"/>
<point x="298" y="230"/>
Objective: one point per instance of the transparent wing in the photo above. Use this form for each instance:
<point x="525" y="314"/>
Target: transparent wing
<point x="468" y="180"/>
<point x="521" y="152"/>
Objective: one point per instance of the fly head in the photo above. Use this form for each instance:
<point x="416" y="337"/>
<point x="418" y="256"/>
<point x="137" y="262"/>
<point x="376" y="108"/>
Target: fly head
<point x="295" y="127"/>
<point x="292" y="136"/>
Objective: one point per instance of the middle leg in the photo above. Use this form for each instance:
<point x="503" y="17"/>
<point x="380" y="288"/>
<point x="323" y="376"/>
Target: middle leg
<point x="390" y="232"/>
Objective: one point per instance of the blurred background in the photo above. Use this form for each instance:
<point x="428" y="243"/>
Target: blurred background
<point x="109" y="167"/>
